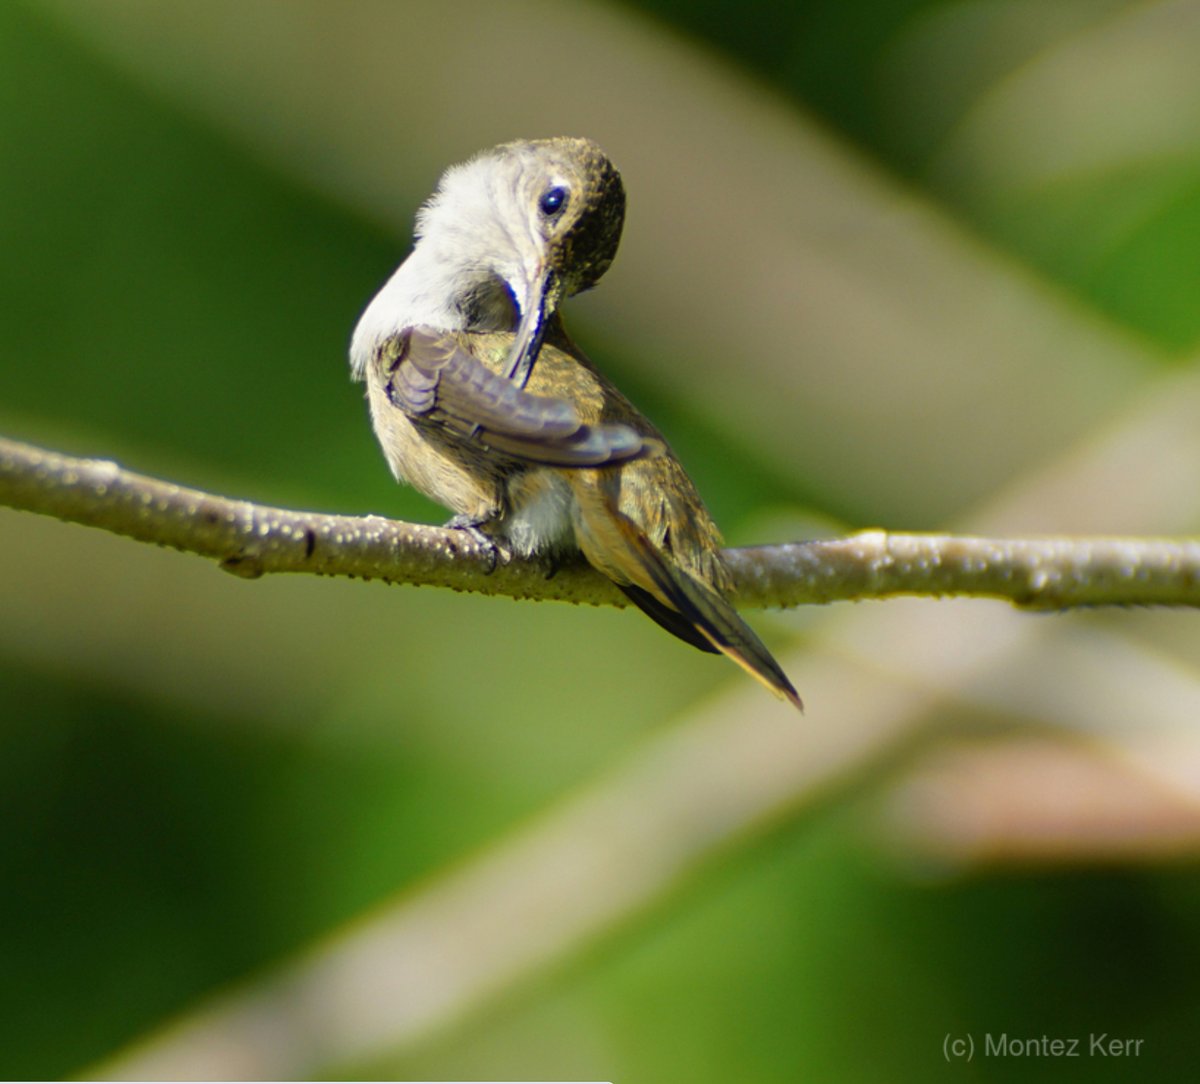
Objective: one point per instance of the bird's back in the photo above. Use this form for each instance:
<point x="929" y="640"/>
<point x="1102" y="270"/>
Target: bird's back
<point x="654" y="491"/>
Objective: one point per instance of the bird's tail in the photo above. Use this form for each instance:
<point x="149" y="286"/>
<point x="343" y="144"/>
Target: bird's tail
<point x="682" y="603"/>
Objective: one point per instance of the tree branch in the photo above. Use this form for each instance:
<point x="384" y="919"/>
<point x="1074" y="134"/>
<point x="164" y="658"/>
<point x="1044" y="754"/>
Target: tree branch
<point x="250" y="540"/>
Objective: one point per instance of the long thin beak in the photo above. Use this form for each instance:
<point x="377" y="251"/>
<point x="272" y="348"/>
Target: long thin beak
<point x="532" y="327"/>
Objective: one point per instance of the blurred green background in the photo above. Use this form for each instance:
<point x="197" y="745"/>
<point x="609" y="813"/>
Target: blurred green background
<point x="919" y="265"/>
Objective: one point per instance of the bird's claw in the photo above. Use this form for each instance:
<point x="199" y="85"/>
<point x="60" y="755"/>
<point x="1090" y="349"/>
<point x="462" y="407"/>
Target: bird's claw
<point x="472" y="528"/>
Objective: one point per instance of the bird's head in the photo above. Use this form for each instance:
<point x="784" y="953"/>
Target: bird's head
<point x="524" y="225"/>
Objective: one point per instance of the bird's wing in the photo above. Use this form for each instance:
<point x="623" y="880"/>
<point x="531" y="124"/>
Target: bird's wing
<point x="435" y="380"/>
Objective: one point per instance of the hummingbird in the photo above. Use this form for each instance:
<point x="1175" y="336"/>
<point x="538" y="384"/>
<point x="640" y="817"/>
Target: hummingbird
<point x="482" y="402"/>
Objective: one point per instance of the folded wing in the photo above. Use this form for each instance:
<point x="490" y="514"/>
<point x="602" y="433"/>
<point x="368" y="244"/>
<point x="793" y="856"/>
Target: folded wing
<point x="437" y="381"/>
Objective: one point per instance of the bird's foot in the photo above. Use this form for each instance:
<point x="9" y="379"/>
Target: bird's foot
<point x="472" y="527"/>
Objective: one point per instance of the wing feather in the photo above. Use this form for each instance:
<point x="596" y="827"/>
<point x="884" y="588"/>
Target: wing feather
<point x="436" y="381"/>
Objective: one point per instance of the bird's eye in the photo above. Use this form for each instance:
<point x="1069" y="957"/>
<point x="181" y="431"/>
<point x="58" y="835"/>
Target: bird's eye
<point x="553" y="201"/>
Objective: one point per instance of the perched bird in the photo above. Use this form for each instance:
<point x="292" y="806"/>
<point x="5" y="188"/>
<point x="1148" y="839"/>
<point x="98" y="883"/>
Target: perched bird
<point x="481" y="401"/>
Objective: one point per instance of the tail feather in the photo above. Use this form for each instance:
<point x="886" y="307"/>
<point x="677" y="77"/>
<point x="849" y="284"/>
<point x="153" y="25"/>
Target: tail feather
<point x="666" y="617"/>
<point x="701" y="616"/>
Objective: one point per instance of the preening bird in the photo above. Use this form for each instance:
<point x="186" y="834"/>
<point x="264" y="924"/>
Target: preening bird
<point x="482" y="402"/>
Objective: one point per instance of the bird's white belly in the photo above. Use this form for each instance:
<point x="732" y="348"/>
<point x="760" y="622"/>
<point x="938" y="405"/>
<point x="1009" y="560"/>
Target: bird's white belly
<point x="539" y="517"/>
